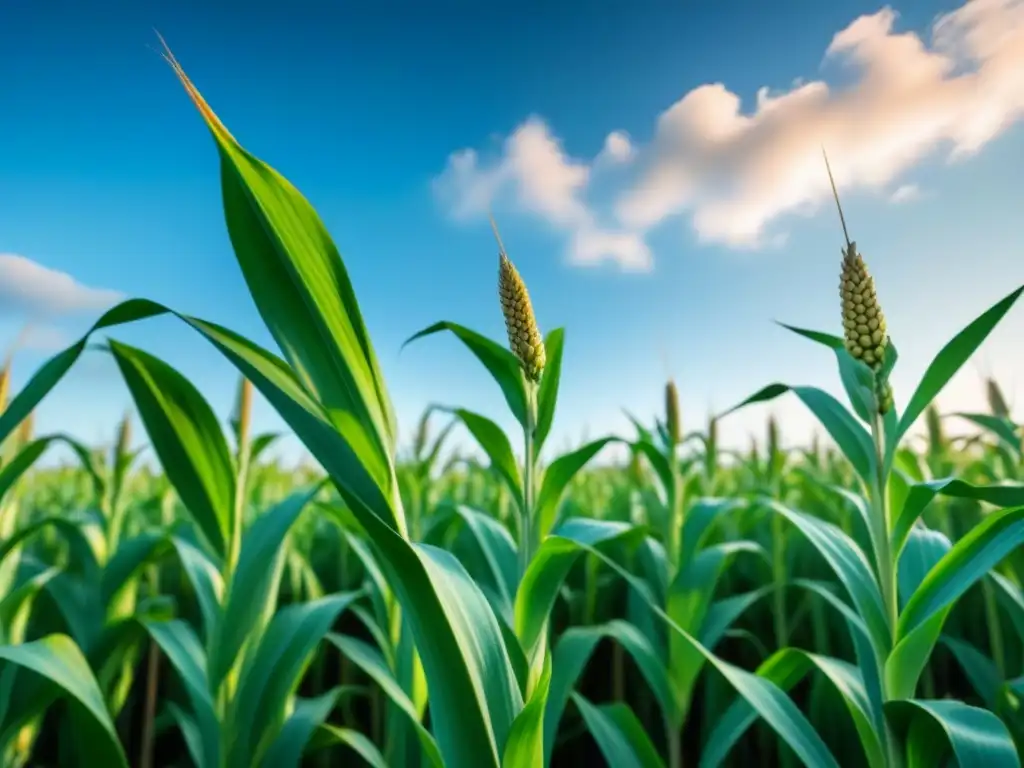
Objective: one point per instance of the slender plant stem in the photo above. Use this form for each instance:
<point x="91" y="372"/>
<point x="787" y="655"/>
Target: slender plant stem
<point x="526" y="516"/>
<point x="881" y="525"/>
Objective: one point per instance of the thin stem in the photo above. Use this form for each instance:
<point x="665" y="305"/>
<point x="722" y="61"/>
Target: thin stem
<point x="526" y="516"/>
<point x="886" y="565"/>
<point x="675" y="751"/>
<point x="880" y="524"/>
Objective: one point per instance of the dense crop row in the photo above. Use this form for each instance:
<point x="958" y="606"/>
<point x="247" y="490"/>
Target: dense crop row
<point x="855" y="604"/>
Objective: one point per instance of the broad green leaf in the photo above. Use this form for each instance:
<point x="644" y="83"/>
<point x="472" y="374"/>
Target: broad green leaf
<point x="952" y="357"/>
<point x="547" y="393"/>
<point x="619" y="735"/>
<point x="571" y="655"/>
<point x="971" y="736"/>
<point x="206" y="580"/>
<point x="921" y="494"/>
<point x="255" y="581"/>
<point x="557" y="477"/>
<point x="786" y="668"/>
<point x="921" y="620"/>
<point x="59" y="661"/>
<point x="499" y="553"/>
<point x="374" y="665"/>
<point x="181" y="646"/>
<point x="525" y="745"/>
<point x="850" y="566"/>
<point x="550" y="565"/>
<point x="699" y="519"/>
<point x="187" y="439"/>
<point x="852" y="439"/>
<point x="493" y="441"/>
<point x="690" y="596"/>
<point x="302" y="291"/>
<point x="126" y="562"/>
<point x="270" y="680"/>
<point x="500" y="363"/>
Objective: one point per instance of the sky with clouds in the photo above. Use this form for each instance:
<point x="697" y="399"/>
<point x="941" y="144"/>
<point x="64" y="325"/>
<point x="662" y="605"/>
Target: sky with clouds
<point x="656" y="172"/>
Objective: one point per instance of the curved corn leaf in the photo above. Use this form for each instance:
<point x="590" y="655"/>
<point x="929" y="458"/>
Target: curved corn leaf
<point x="503" y="366"/>
<point x="619" y="735"/>
<point x="495" y="444"/>
<point x="786" y="668"/>
<point x="920" y="495"/>
<point x="852" y="439"/>
<point x="951" y="358"/>
<point x="557" y="477"/>
<point x="921" y="620"/>
<point x="57" y="659"/>
<point x="187" y="439"/>
<point x="547" y="393"/>
<point x="933" y="731"/>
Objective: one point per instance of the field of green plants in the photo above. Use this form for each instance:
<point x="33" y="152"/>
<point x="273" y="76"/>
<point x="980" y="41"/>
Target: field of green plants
<point x="856" y="603"/>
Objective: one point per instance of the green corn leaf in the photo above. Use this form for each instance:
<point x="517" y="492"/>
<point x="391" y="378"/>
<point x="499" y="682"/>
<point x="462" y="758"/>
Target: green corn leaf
<point x="925" y="612"/>
<point x="493" y="441"/>
<point x="547" y="393"/>
<point x="205" y="579"/>
<point x="252" y="594"/>
<point x="786" y="668"/>
<point x="934" y="731"/>
<point x="849" y="564"/>
<point x="374" y="665"/>
<point x="186" y="437"/>
<point x="619" y="735"/>
<point x="284" y="652"/>
<point x="952" y="357"/>
<point x="181" y="646"/>
<point x="852" y="439"/>
<point x="60" y="662"/>
<point x="503" y="366"/>
<point x="301" y="733"/>
<point x="920" y="495"/>
<point x="573" y="651"/>
<point x="525" y="745"/>
<point x="557" y="477"/>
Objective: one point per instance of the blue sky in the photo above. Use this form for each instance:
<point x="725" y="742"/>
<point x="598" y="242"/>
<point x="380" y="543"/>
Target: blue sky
<point x="109" y="177"/>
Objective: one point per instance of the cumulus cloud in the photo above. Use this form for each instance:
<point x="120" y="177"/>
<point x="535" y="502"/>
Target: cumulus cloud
<point x="544" y="181"/>
<point x="734" y="173"/>
<point x="618" y="148"/>
<point x="29" y="288"/>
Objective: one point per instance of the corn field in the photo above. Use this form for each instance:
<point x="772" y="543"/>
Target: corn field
<point x="859" y="602"/>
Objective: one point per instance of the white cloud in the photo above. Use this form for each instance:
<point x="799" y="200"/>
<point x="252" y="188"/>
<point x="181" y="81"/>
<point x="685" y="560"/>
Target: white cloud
<point x="735" y="173"/>
<point x="44" y="338"/>
<point x="905" y="193"/>
<point x="547" y="182"/>
<point x="618" y="148"/>
<point x="29" y="288"/>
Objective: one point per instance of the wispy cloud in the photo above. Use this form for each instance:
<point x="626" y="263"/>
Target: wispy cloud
<point x="30" y="289"/>
<point x="734" y="174"/>
<point x="905" y="193"/>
